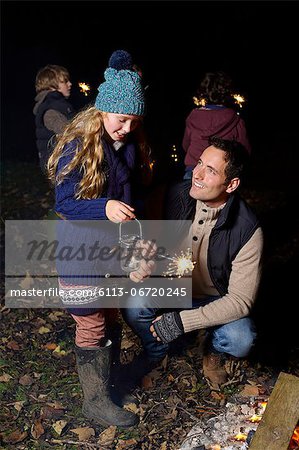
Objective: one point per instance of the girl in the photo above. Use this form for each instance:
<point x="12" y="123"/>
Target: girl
<point x="92" y="167"/>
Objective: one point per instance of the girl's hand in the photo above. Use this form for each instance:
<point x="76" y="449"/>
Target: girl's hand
<point x="118" y="211"/>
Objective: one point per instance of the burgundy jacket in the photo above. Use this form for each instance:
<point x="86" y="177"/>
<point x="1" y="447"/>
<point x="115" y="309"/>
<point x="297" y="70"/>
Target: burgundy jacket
<point x="209" y="121"/>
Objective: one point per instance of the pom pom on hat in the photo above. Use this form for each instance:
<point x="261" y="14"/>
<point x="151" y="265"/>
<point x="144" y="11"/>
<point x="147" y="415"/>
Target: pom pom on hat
<point x="120" y="59"/>
<point x="122" y="91"/>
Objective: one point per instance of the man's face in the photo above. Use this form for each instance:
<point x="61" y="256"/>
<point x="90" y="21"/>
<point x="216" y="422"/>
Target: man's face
<point x="208" y="181"/>
<point x="119" y="125"/>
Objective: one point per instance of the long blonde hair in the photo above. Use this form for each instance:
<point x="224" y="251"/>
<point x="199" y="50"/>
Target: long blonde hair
<point x="88" y="127"/>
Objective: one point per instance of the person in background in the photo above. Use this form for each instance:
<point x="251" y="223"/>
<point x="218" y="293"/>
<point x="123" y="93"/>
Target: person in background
<point x="93" y="168"/>
<point x="52" y="109"/>
<point x="216" y="117"/>
<point x="227" y="245"/>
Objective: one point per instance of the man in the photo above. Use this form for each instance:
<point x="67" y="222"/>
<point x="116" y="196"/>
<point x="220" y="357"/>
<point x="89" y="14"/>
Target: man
<point x="227" y="245"/>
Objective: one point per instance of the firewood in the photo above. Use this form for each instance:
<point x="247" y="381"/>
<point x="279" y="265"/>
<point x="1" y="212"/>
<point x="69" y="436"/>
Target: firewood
<point x="280" y="417"/>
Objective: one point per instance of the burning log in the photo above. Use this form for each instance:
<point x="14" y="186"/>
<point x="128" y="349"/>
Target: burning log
<point x="281" y="416"/>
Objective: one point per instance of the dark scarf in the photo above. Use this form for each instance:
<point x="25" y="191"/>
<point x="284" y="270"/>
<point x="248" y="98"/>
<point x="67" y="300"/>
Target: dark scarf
<point x="120" y="164"/>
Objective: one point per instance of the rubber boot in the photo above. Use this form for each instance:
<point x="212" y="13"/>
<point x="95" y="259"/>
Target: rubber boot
<point x="119" y="394"/>
<point x="94" y="375"/>
<point x="133" y="372"/>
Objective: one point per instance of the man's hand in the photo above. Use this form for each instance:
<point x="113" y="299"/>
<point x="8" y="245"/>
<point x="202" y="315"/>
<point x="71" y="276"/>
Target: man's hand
<point x="147" y="249"/>
<point x="152" y="329"/>
<point x="167" y="327"/>
<point x="144" y="271"/>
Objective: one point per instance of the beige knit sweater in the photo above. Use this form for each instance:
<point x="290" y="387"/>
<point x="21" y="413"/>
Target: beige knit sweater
<point x="243" y="282"/>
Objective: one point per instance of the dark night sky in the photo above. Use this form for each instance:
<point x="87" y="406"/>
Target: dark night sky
<point x="256" y="42"/>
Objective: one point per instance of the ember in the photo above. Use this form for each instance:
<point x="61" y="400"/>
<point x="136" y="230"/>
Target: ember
<point x="294" y="444"/>
<point x="240" y="437"/>
<point x="256" y="418"/>
<point x="228" y="431"/>
<point x="231" y="430"/>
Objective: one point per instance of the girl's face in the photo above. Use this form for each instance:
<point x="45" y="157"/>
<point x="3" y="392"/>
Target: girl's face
<point x="119" y="125"/>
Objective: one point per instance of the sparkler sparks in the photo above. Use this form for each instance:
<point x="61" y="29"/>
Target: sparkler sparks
<point x="199" y="101"/>
<point x="180" y="265"/>
<point x="151" y="164"/>
<point x="84" y="87"/>
<point x="239" y="99"/>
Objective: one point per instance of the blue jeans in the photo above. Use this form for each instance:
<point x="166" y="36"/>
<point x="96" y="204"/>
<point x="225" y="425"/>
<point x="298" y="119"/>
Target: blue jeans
<point x="234" y="338"/>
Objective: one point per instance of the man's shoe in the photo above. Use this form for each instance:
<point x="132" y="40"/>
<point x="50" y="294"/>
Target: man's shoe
<point x="213" y="368"/>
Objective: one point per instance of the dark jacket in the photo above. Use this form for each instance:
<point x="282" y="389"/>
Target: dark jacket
<point x="203" y="123"/>
<point x="233" y="229"/>
<point x="52" y="100"/>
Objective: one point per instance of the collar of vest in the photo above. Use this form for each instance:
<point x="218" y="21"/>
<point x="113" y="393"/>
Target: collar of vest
<point x="224" y="214"/>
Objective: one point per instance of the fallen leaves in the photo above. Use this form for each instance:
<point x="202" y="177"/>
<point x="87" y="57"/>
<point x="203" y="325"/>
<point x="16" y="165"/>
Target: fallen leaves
<point x="37" y="430"/>
<point x="26" y="380"/>
<point x="106" y="438"/>
<point x="132" y="407"/>
<point x="44" y="330"/>
<point x="17" y="405"/>
<point x="83" y="433"/>
<point x="48" y="412"/>
<point x="249" y="391"/>
<point x="14" y="437"/>
<point x="13" y="345"/>
<point x="58" y="351"/>
<point x="59" y="425"/>
<point x="50" y="346"/>
<point x="126" y="343"/>
<point x="27" y="282"/>
<point x="5" y="378"/>
<point x="56" y="315"/>
<point x="147" y="382"/>
<point x="121" y="444"/>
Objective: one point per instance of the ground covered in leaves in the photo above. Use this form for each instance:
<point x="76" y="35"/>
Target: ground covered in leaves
<point x="39" y="388"/>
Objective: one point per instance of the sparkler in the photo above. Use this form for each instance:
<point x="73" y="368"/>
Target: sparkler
<point x="180" y="265"/>
<point x="84" y="87"/>
<point x="151" y="164"/>
<point x="199" y="101"/>
<point x="239" y="99"/>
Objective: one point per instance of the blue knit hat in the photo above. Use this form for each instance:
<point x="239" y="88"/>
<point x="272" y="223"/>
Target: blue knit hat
<point x="122" y="91"/>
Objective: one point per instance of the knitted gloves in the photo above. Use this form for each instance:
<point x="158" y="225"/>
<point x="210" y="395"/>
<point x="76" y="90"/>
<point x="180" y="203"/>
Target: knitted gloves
<point x="169" y="327"/>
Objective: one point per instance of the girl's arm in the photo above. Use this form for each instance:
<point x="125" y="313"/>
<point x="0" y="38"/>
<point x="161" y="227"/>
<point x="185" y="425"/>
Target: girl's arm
<point x="66" y="203"/>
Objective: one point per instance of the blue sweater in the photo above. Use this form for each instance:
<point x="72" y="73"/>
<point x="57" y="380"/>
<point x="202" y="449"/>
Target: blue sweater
<point x="66" y="203"/>
<point x="77" y="237"/>
<point x="119" y="164"/>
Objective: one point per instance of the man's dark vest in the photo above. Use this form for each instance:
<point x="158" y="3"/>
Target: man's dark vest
<point x="235" y="226"/>
<point x="53" y="100"/>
